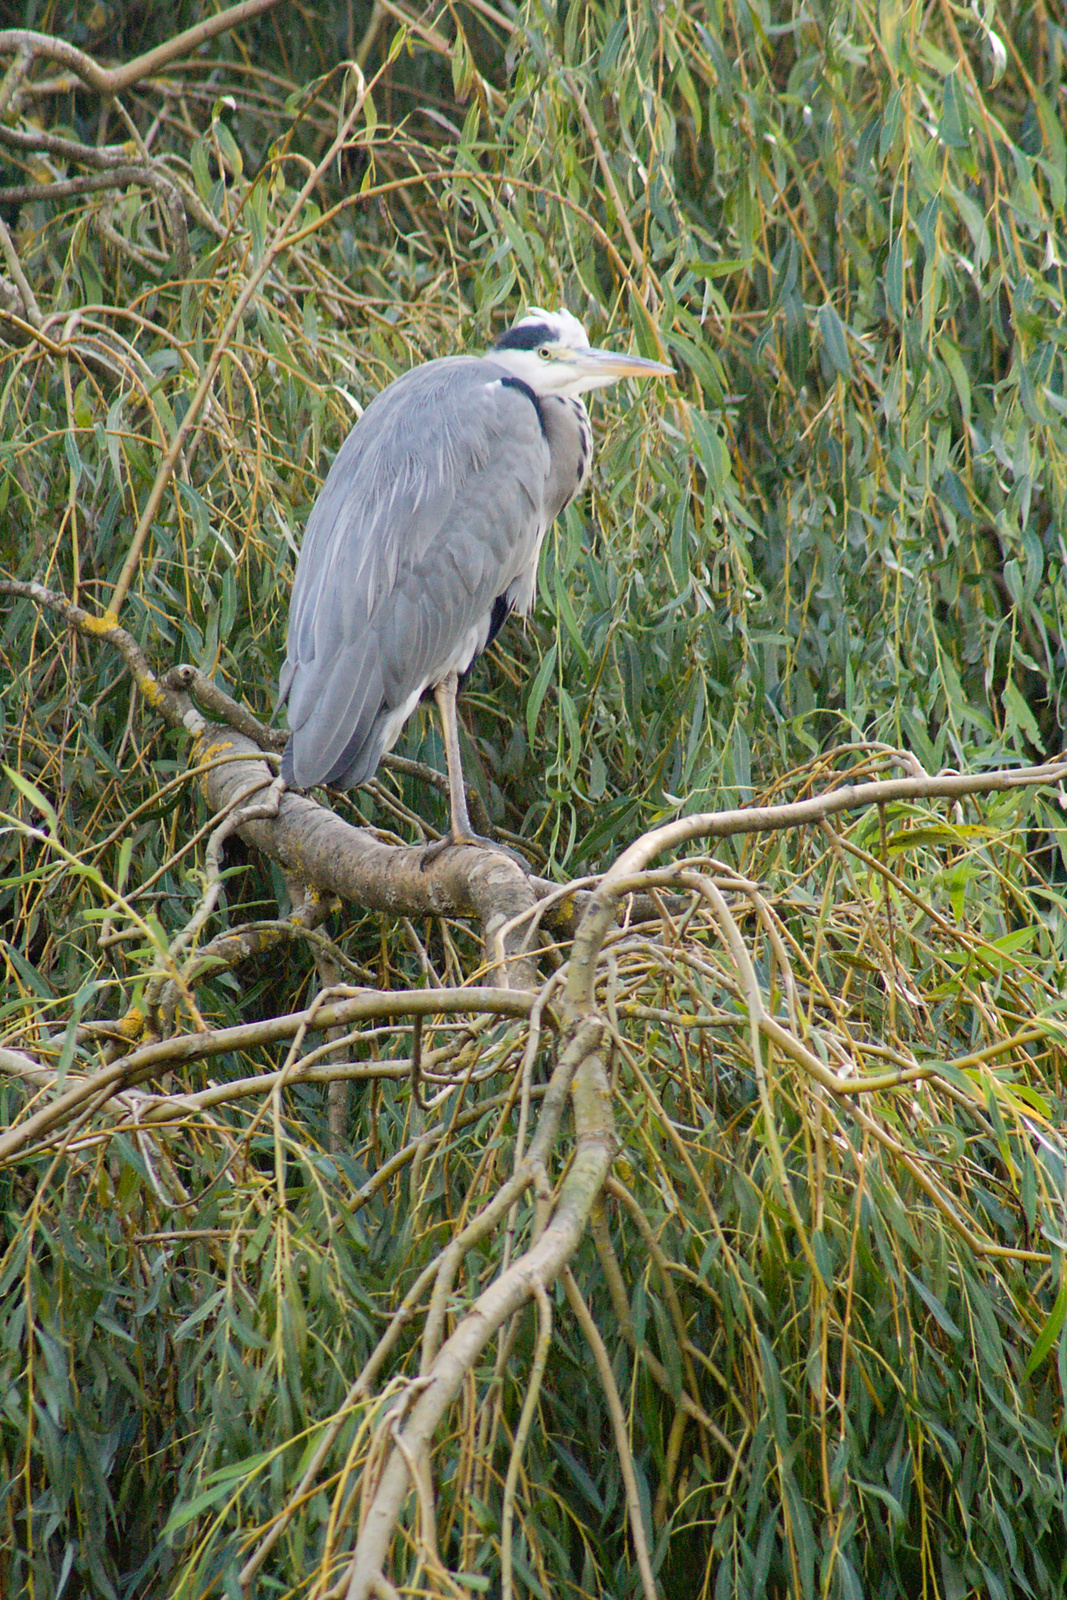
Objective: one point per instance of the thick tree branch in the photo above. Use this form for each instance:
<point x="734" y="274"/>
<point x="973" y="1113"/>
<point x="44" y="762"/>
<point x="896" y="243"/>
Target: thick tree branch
<point x="317" y="847"/>
<point x="311" y="843"/>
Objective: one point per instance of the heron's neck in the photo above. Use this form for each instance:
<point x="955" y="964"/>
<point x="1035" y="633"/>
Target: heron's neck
<point x="570" y="442"/>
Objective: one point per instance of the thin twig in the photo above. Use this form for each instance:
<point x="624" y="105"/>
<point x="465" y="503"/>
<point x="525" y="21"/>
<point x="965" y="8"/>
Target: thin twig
<point x="522" y="1432"/>
<point x="602" y="1362"/>
<point x="113" y="80"/>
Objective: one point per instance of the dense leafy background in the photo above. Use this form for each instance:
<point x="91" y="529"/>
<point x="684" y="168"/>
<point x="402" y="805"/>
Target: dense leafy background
<point x="844" y="225"/>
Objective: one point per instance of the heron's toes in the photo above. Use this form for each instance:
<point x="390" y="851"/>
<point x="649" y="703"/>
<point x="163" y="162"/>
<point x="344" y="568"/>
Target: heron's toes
<point x="451" y="840"/>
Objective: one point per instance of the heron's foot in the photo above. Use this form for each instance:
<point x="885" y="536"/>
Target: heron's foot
<point x="452" y="839"/>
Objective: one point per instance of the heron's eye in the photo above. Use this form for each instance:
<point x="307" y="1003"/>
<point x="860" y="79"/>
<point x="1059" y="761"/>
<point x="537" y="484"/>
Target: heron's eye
<point x="545" y="353"/>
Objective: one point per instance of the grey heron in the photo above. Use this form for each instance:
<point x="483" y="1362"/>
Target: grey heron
<point x="426" y="535"/>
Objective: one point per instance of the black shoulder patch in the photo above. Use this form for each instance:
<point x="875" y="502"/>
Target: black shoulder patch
<point x="524" y="388"/>
<point x="527" y="337"/>
<point x="500" y="614"/>
<point x="497" y="617"/>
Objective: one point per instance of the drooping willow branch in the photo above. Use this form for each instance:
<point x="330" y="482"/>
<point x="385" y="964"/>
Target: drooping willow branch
<point x="624" y="874"/>
<point x="162" y="1055"/>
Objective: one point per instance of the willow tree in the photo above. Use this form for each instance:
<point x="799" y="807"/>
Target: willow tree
<point x="684" y="1218"/>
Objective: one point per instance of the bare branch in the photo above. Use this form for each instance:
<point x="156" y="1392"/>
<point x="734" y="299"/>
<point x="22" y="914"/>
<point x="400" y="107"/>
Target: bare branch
<point x="317" y="847"/>
<point x="221" y="707"/>
<point x="529" y="1406"/>
<point x="113" y="80"/>
<point x="155" y="1057"/>
<point x="22" y="284"/>
<point x="624" y="875"/>
<point x="115" y="178"/>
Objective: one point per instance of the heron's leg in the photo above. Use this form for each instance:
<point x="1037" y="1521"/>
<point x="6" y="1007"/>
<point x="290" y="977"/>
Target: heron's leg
<point x="460" y="830"/>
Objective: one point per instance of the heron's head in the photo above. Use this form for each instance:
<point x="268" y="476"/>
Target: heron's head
<point x="550" y="351"/>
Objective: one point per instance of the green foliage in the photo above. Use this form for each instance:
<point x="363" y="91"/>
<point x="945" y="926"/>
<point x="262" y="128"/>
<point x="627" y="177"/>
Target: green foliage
<point x="845" y="522"/>
<point x="835" y="1233"/>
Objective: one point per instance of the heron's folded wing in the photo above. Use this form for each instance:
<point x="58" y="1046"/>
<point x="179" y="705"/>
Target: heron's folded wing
<point x="432" y="509"/>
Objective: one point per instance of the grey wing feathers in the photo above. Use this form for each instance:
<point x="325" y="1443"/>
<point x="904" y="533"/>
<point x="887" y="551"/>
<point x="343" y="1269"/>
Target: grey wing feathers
<point x="432" y="509"/>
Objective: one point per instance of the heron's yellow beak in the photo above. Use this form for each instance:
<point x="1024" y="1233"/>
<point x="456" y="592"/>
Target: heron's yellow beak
<point x="599" y="367"/>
